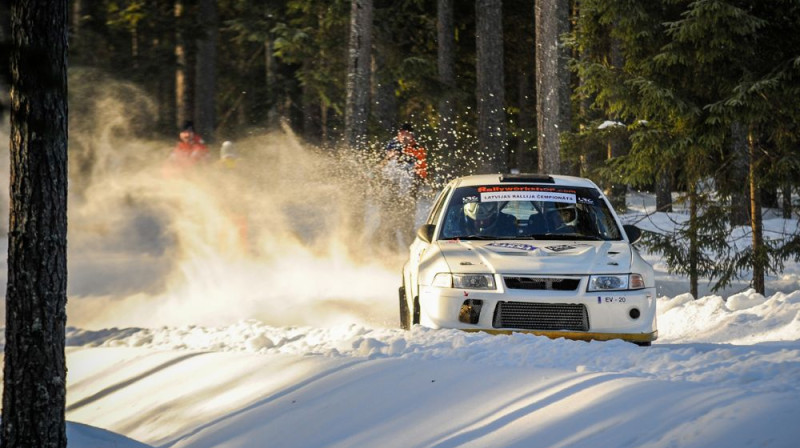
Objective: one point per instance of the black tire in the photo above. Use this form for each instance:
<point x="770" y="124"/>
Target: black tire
<point x="415" y="316"/>
<point x="644" y="344"/>
<point x="405" y="316"/>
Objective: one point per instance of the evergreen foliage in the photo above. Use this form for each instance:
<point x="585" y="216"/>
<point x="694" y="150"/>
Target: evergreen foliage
<point x="706" y="90"/>
<point x="693" y="70"/>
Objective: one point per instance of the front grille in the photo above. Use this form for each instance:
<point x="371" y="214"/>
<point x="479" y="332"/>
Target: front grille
<point x="541" y="316"/>
<point x="542" y="283"/>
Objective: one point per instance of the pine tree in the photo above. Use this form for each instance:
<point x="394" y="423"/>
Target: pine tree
<point x="34" y="379"/>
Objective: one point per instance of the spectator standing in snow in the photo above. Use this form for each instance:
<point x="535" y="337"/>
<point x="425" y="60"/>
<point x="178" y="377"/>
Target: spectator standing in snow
<point x="404" y="167"/>
<point x="189" y="151"/>
<point x="404" y="150"/>
<point x="227" y="155"/>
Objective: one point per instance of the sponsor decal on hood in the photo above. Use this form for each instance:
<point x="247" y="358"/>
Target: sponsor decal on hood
<point x="520" y="246"/>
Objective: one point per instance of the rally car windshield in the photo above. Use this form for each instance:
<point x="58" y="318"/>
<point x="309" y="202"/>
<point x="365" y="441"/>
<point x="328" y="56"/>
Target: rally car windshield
<point x="528" y="212"/>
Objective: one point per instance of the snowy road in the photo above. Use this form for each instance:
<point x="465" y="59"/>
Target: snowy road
<point x="254" y="385"/>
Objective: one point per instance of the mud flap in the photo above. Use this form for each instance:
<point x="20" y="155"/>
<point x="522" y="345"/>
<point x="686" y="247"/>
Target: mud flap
<point x="404" y="314"/>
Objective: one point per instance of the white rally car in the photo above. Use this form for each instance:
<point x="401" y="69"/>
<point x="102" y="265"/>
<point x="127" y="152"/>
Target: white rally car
<point x="528" y="253"/>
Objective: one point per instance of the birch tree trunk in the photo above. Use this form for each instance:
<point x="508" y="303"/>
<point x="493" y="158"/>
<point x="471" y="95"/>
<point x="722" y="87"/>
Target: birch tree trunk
<point x="492" y="145"/>
<point x="35" y="368"/>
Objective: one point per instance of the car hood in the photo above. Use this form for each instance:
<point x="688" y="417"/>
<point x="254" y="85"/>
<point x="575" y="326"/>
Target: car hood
<point x="537" y="257"/>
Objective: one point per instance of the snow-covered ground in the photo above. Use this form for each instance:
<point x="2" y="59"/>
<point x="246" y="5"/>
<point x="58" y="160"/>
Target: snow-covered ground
<point x="181" y="335"/>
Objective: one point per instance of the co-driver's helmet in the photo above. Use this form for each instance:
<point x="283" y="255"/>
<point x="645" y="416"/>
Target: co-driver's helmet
<point x="483" y="213"/>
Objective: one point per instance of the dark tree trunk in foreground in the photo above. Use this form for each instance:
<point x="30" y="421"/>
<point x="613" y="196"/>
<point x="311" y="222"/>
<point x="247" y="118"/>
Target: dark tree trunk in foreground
<point x="35" y="370"/>
<point x="490" y="89"/>
<point x="552" y="81"/>
<point x="358" y="73"/>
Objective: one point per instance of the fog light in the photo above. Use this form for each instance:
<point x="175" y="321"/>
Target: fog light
<point x="634" y="313"/>
<point x="470" y="311"/>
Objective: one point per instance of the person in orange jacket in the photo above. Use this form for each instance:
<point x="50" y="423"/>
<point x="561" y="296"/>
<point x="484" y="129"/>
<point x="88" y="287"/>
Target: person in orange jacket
<point x="189" y="150"/>
<point x="404" y="146"/>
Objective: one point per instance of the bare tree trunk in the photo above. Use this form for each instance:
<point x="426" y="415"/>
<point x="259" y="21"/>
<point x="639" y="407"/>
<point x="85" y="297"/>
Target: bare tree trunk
<point x="162" y="83"/>
<point x="694" y="255"/>
<point x="206" y="77"/>
<point x="447" y="80"/>
<point x="664" y="190"/>
<point x="35" y="367"/>
<point x="323" y="124"/>
<point x="552" y="81"/>
<point x="184" y="73"/>
<point x="5" y="42"/>
<point x="589" y="159"/>
<point x="358" y="73"/>
<point x="786" y="201"/>
<point x="759" y="252"/>
<point x="616" y="190"/>
<point x="270" y="77"/>
<point x="526" y="156"/>
<point x="311" y="111"/>
<point x="490" y="87"/>
<point x="740" y="201"/>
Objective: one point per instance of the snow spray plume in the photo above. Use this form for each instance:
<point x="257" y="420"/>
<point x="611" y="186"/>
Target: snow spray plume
<point x="286" y="234"/>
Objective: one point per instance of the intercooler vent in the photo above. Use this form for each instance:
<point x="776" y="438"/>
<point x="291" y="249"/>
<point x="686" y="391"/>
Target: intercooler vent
<point x="542" y="283"/>
<point x="541" y="316"/>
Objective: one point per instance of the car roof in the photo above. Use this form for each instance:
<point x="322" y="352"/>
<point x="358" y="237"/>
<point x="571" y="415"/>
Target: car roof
<point x="541" y="179"/>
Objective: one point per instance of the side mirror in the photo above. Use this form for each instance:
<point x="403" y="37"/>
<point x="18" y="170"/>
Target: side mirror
<point x="425" y="232"/>
<point x="633" y="232"/>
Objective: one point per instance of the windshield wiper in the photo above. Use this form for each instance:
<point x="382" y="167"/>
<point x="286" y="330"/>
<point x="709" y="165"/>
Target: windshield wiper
<point x="480" y="237"/>
<point x="573" y="237"/>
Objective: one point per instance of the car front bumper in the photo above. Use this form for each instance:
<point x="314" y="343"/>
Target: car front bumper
<point x="627" y="315"/>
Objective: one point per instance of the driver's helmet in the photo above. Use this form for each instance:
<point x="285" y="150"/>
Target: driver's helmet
<point x="483" y="214"/>
<point x="568" y="213"/>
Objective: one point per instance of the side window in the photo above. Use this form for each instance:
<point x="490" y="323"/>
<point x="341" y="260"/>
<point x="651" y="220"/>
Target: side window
<point x="437" y="206"/>
<point x="454" y="221"/>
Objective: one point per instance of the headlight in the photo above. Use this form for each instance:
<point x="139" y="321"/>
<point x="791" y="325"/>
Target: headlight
<point x="615" y="282"/>
<point x="464" y="281"/>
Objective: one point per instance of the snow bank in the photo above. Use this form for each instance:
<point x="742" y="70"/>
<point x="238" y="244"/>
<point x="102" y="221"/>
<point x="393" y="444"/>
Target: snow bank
<point x="759" y="343"/>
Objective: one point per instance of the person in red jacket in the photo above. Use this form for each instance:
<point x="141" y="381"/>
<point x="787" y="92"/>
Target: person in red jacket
<point x="188" y="152"/>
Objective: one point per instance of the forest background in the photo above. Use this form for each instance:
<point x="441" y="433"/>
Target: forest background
<point x="694" y="100"/>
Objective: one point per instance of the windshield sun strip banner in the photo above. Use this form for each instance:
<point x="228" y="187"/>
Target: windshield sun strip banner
<point x="549" y="196"/>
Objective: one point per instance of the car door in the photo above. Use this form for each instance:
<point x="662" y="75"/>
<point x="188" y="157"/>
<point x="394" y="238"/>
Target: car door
<point x="420" y="246"/>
